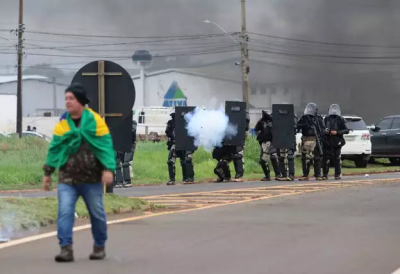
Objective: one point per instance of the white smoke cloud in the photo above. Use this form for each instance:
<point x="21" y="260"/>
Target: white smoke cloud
<point x="209" y="127"/>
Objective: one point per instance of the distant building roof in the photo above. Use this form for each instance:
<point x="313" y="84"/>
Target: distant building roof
<point x="14" y="78"/>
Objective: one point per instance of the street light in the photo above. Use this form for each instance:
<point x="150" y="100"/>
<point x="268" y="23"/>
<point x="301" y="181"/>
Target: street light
<point x="210" y="22"/>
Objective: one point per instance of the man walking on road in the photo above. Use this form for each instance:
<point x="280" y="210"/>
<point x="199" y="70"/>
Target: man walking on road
<point x="82" y="150"/>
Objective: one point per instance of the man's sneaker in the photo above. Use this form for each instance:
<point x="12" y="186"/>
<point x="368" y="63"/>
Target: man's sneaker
<point x="170" y="183"/>
<point x="291" y="178"/>
<point x="266" y="179"/>
<point x="318" y="178"/>
<point x="219" y="180"/>
<point x="119" y="185"/>
<point x="338" y="178"/>
<point x="304" y="178"/>
<point x="66" y="255"/>
<point x="228" y="179"/>
<point x="325" y="177"/>
<point x="189" y="181"/>
<point x="127" y="184"/>
<point x="98" y="253"/>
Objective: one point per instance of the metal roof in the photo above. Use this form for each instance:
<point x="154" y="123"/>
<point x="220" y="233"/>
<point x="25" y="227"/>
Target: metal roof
<point x="14" y="78"/>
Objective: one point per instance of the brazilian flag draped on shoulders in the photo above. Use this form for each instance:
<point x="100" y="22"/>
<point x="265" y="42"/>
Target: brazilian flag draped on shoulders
<point x="68" y="138"/>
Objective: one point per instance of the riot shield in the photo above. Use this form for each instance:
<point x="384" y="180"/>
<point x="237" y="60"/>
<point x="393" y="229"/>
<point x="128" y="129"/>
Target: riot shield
<point x="182" y="140"/>
<point x="122" y="134"/>
<point x="236" y="112"/>
<point x="283" y="126"/>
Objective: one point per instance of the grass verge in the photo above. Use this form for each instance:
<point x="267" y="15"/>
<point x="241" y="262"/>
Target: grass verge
<point x="18" y="214"/>
<point x="21" y="162"/>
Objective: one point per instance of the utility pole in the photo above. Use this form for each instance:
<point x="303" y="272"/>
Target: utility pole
<point x="245" y="57"/>
<point x="21" y="28"/>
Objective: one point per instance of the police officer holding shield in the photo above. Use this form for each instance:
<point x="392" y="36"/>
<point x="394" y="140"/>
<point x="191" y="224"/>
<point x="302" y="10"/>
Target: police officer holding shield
<point x="186" y="157"/>
<point x="124" y="171"/>
<point x="268" y="152"/>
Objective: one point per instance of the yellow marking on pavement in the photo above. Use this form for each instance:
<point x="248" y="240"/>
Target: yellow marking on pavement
<point x="150" y="215"/>
<point x="229" y="196"/>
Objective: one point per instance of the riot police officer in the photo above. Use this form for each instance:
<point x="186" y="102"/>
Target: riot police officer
<point x="223" y="155"/>
<point x="286" y="157"/>
<point x="336" y="127"/>
<point x="238" y="155"/>
<point x="268" y="152"/>
<point x="124" y="171"/>
<point x="312" y="127"/>
<point x="186" y="157"/>
<point x="226" y="154"/>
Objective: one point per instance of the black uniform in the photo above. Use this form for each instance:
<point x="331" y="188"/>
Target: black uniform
<point x="311" y="147"/>
<point x="186" y="157"/>
<point x="286" y="159"/>
<point x="268" y="152"/>
<point x="124" y="163"/>
<point x="226" y="154"/>
<point x="333" y="143"/>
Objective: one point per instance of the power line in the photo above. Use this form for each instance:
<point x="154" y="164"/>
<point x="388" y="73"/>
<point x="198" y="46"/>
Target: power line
<point x="124" y="57"/>
<point x="127" y="37"/>
<point x="323" y="43"/>
<point x="330" y="56"/>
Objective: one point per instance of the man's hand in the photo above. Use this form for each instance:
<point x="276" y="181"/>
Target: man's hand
<point x="333" y="132"/>
<point x="107" y="177"/>
<point x="46" y="183"/>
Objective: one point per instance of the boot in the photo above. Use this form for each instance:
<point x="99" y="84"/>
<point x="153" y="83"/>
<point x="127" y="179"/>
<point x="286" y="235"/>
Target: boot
<point x="282" y="167"/>
<point x="189" y="171"/>
<point x="171" y="171"/>
<point x="291" y="167"/>
<point x="266" y="171"/>
<point x="98" y="254"/>
<point x="306" y="169"/>
<point x="66" y="255"/>
<point x="338" y="168"/>
<point x="226" y="171"/>
<point x="219" y="172"/>
<point x="317" y="169"/>
<point x="184" y="177"/>
<point x="275" y="166"/>
<point x="238" y="164"/>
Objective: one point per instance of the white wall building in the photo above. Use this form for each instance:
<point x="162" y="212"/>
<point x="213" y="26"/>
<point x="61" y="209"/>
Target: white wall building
<point x="39" y="94"/>
<point x="182" y="87"/>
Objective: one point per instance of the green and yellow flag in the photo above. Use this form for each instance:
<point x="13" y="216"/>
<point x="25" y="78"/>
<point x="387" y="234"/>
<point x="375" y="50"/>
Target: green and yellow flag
<point x="68" y="138"/>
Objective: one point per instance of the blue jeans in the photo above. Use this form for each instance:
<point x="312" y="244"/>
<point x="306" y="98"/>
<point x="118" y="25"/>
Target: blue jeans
<point x="92" y="195"/>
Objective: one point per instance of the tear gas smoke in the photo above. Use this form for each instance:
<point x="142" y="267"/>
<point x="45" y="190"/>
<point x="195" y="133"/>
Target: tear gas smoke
<point x="209" y="127"/>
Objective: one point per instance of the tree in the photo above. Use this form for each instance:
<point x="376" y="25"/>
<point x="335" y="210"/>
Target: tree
<point x="44" y="70"/>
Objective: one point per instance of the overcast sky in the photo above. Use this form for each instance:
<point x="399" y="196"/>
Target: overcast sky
<point x="372" y="22"/>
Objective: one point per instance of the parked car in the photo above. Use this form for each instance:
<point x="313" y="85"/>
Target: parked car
<point x="358" y="142"/>
<point x="385" y="138"/>
<point x="30" y="134"/>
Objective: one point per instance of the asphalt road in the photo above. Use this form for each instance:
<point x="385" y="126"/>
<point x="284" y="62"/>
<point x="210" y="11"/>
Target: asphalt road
<point x="348" y="231"/>
<point x="164" y="189"/>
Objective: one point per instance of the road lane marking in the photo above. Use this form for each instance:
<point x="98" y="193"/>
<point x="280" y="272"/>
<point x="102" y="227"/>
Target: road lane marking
<point x="150" y="215"/>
